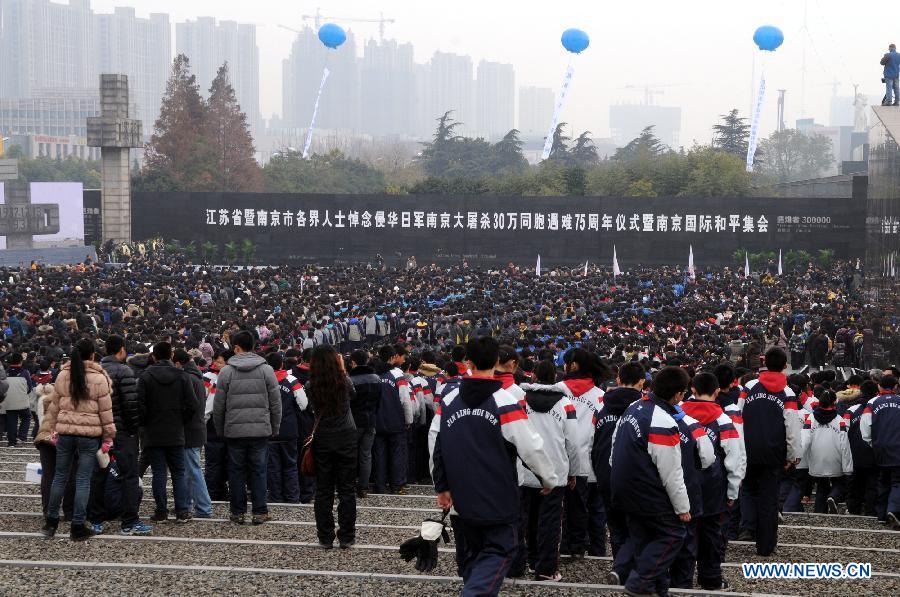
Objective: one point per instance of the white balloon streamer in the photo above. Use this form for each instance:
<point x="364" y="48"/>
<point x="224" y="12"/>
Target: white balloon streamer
<point x="756" y="117"/>
<point x="557" y="110"/>
<point x="312" y="123"/>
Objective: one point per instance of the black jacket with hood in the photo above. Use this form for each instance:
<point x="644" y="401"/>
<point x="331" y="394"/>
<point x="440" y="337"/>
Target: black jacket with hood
<point x="167" y="403"/>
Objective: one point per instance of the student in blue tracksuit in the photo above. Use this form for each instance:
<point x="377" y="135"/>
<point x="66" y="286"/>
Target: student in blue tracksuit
<point x="629" y="384"/>
<point x="719" y="485"/>
<point x="728" y="398"/>
<point x="393" y="418"/>
<point x="863" y="488"/>
<point x="480" y="430"/>
<point x="647" y="481"/>
<point x="880" y="428"/>
<point x="283" y="482"/>
<point x="772" y="438"/>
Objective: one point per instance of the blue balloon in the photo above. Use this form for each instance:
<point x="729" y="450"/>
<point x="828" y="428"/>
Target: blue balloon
<point x="575" y="40"/>
<point x="768" y="38"/>
<point x="332" y="35"/>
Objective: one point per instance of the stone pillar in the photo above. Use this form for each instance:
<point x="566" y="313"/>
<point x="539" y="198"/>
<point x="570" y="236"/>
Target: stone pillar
<point x="114" y="133"/>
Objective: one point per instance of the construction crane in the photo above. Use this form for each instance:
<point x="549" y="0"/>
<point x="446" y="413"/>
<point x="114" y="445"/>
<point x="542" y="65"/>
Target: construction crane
<point x="319" y="17"/>
<point x="651" y="90"/>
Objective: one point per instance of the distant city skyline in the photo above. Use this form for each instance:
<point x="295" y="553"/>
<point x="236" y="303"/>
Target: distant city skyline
<point x="707" y="60"/>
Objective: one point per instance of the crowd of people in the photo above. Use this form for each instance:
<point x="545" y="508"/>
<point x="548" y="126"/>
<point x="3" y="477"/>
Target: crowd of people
<point x="668" y="412"/>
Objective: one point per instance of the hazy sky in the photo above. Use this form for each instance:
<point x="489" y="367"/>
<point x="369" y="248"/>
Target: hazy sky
<point x="701" y="51"/>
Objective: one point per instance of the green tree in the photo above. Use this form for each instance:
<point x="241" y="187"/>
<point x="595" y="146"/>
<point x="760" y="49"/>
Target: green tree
<point x="575" y="181"/>
<point x="584" y="152"/>
<point x="13" y="152"/>
<point x="791" y="155"/>
<point x="180" y="155"/>
<point x="330" y="173"/>
<point x="559" y="149"/>
<point x="739" y="257"/>
<point x="69" y="169"/>
<point x="437" y="154"/>
<point x="226" y="128"/>
<point x="610" y="179"/>
<point x="173" y="247"/>
<point x="645" y="146"/>
<point x="231" y="251"/>
<point x="797" y="259"/>
<point x="508" y="156"/>
<point x="208" y="250"/>
<point x="190" y="251"/>
<point x="713" y="173"/>
<point x="248" y="250"/>
<point x="640" y="188"/>
<point x="826" y="257"/>
<point x="732" y="135"/>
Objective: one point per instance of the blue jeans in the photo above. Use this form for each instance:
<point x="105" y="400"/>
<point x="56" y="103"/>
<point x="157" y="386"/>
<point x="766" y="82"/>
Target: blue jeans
<point x="892" y="93"/>
<point x="66" y="448"/>
<point x="171" y="458"/>
<point x="247" y="465"/>
<point x="199" y="495"/>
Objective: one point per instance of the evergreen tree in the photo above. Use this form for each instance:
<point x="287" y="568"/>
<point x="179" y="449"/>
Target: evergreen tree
<point x="732" y="135"/>
<point x="507" y="155"/>
<point x="559" y="150"/>
<point x="226" y="127"/>
<point x="179" y="157"/>
<point x="646" y="145"/>
<point x="436" y="155"/>
<point x="584" y="153"/>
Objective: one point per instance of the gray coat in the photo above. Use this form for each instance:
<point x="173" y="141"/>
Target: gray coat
<point x="248" y="399"/>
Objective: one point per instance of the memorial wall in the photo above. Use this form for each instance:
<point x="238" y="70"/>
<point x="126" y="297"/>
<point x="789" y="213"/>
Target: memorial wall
<point x="293" y="228"/>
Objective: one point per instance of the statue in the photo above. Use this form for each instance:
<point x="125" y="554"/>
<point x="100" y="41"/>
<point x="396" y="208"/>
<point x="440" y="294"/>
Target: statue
<point x="860" y="119"/>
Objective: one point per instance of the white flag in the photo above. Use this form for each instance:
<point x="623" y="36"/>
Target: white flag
<point x="753" y="142"/>
<point x="557" y="111"/>
<point x="746" y="265"/>
<point x="779" y="262"/>
<point x="616" y="270"/>
<point x="585" y="269"/>
<point x="312" y="123"/>
<point x="691" y="271"/>
<point x="537" y="268"/>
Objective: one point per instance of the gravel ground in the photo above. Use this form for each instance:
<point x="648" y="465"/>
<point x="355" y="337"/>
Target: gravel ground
<point x="587" y="571"/>
<point x="163" y="584"/>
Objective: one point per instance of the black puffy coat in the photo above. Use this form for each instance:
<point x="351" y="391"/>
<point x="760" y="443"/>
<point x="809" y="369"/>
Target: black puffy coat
<point x="167" y="402"/>
<point x="125" y="406"/>
<point x="365" y="403"/>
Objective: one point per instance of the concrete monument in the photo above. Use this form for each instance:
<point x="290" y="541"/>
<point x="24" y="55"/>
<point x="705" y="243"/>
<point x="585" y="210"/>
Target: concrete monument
<point x="115" y="133"/>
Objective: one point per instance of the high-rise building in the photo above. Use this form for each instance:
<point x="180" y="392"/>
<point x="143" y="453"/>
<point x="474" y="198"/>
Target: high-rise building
<point x="339" y="106"/>
<point x="535" y="111"/>
<point x="47" y="47"/>
<point x="44" y="44"/>
<point x="451" y="87"/>
<point x="387" y="82"/>
<point x="495" y="99"/>
<point x="209" y="45"/>
<point x="141" y="49"/>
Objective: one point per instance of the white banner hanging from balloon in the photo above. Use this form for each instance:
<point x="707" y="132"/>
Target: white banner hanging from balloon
<point x="755" y="121"/>
<point x="312" y="123"/>
<point x="557" y="110"/>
